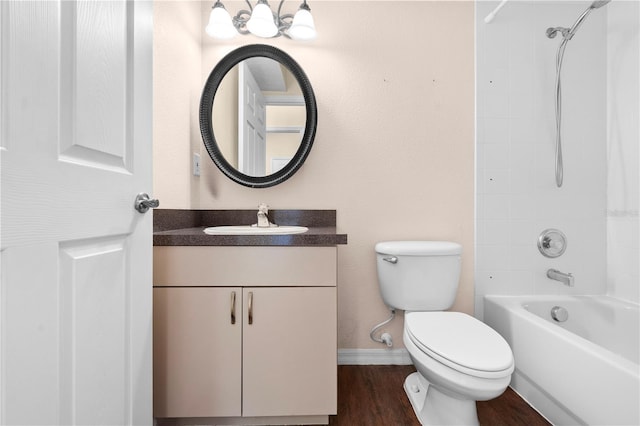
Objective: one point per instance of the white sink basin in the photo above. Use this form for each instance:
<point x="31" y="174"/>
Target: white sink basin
<point x="254" y="230"/>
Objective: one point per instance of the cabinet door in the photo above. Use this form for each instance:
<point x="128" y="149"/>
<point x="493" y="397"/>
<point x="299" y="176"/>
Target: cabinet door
<point x="197" y="352"/>
<point x="289" y="351"/>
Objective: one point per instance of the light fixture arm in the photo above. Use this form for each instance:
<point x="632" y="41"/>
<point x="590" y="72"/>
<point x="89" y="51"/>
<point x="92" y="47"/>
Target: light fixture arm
<point x="280" y="20"/>
<point x="240" y="21"/>
<point x="241" y="18"/>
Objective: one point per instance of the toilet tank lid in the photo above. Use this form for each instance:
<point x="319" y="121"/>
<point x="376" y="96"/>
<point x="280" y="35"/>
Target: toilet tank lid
<point x="419" y="248"/>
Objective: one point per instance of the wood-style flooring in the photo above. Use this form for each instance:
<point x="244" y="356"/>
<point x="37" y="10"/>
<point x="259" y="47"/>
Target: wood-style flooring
<point x="372" y="395"/>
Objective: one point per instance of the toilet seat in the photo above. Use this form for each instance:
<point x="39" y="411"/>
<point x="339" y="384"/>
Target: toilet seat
<point x="460" y="342"/>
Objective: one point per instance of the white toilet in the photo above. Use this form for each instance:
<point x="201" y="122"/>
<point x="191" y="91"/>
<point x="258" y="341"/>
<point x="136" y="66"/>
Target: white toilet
<point x="459" y="359"/>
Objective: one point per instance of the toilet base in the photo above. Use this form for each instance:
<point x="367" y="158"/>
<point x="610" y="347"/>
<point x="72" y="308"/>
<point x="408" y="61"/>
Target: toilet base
<point x="433" y="407"/>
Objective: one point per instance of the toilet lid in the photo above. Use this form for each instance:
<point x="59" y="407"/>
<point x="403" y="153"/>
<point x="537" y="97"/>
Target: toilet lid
<point x="461" y="342"/>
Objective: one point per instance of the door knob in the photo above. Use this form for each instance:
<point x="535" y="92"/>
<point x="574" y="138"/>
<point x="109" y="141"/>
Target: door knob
<point x="144" y="203"/>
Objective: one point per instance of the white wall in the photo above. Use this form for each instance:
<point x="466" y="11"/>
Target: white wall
<point x="623" y="134"/>
<point x="177" y="81"/>
<point x="516" y="193"/>
<point x="393" y="151"/>
<point x="394" y="148"/>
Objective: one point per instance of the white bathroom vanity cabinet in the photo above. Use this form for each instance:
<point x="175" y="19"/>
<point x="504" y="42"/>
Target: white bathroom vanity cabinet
<point x="244" y="334"/>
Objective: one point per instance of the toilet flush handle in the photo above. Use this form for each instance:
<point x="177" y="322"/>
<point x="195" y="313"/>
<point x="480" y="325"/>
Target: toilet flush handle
<point x="390" y="259"/>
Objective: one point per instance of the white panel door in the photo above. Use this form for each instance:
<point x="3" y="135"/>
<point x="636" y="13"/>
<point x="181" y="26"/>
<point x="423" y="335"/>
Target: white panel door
<point x="75" y="148"/>
<point x="252" y="132"/>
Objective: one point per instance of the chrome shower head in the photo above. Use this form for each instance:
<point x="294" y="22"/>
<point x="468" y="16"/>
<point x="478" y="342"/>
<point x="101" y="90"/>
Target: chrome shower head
<point x="568" y="33"/>
<point x="598" y="4"/>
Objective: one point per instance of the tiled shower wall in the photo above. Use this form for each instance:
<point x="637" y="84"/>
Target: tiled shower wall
<point x="517" y="197"/>
<point x="623" y="134"/>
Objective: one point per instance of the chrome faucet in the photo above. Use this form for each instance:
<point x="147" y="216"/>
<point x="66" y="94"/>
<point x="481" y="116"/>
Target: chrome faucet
<point x="564" y="278"/>
<point x="263" y="219"/>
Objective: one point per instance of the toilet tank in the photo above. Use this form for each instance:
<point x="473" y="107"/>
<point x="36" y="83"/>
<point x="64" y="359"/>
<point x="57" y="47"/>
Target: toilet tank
<point x="418" y="275"/>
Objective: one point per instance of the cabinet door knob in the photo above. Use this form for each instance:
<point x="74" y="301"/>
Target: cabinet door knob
<point x="250" y="307"/>
<point x="233" y="307"/>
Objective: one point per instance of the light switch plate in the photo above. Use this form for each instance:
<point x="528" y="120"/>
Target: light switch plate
<point x="196" y="164"/>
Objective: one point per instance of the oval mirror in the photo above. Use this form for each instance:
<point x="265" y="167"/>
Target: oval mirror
<point x="258" y="116"/>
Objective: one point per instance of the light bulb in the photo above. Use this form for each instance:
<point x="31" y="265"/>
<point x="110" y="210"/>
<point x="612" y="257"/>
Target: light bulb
<point x="220" y="25"/>
<point x="302" y="27"/>
<point x="261" y="22"/>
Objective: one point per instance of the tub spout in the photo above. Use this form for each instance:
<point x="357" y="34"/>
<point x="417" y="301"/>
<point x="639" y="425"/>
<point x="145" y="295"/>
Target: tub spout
<point x="564" y="278"/>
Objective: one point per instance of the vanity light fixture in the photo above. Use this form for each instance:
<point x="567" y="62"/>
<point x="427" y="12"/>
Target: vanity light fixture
<point x="261" y="21"/>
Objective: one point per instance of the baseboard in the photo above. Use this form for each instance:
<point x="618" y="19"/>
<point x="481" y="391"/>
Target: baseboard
<point x="373" y="357"/>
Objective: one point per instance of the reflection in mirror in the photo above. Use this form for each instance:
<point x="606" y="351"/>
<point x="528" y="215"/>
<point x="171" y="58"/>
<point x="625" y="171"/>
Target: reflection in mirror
<point x="259" y="116"/>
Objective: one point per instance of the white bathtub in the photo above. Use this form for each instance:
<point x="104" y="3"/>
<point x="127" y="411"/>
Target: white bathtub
<point x="582" y="371"/>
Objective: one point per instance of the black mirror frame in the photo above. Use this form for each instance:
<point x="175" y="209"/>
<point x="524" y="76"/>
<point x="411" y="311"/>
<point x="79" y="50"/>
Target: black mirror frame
<point x="206" y="118"/>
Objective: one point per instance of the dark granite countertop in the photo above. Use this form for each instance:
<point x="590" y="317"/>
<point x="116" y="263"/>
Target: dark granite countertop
<point x="186" y="228"/>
